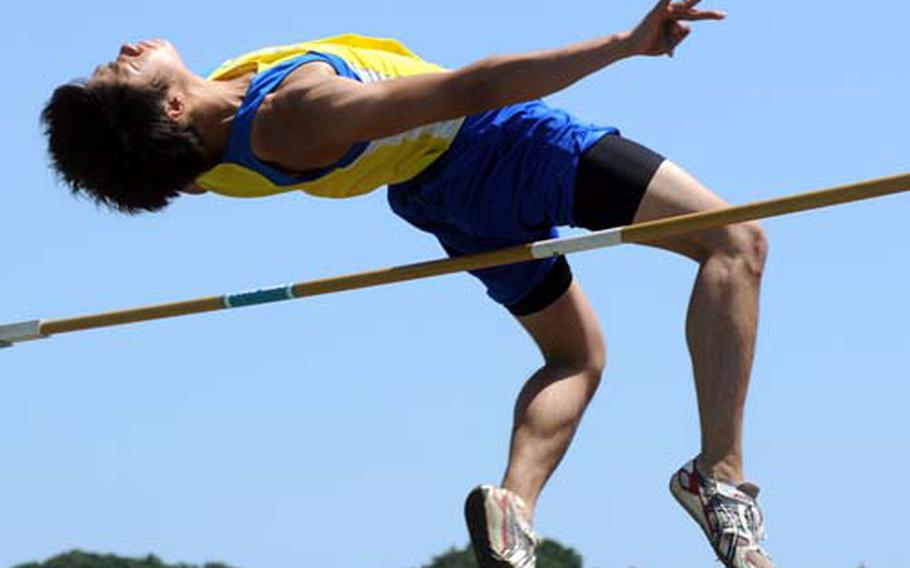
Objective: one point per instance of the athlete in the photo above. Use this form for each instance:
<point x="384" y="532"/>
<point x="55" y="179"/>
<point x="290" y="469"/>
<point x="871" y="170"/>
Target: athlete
<point x="475" y="158"/>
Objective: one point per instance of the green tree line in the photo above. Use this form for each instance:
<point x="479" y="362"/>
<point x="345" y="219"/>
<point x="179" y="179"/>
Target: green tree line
<point x="79" y="559"/>
<point x="550" y="555"/>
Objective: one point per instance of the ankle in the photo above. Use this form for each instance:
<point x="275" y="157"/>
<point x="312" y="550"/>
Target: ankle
<point x="526" y="503"/>
<point x="527" y="508"/>
<point x="727" y="470"/>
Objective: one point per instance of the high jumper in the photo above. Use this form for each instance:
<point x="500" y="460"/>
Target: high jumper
<point x="473" y="157"/>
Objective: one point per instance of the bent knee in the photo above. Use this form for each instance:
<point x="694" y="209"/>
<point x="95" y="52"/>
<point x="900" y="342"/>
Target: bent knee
<point x="751" y="247"/>
<point x="569" y="337"/>
<point x="738" y="248"/>
<point x="587" y="364"/>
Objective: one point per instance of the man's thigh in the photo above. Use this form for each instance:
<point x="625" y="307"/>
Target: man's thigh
<point x="620" y="182"/>
<point x="673" y="191"/>
<point x="567" y="331"/>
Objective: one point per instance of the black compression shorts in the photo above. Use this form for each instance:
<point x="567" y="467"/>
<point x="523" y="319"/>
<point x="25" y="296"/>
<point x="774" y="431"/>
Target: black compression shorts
<point x="610" y="182"/>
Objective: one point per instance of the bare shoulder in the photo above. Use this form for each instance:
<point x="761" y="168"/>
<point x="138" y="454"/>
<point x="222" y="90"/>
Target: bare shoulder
<point x="284" y="131"/>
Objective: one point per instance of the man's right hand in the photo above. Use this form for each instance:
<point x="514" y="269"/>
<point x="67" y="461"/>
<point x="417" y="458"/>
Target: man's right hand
<point x="665" y="26"/>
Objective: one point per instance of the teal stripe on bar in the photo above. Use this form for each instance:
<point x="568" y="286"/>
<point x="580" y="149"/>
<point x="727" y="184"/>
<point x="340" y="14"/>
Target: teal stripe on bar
<point x="262" y="296"/>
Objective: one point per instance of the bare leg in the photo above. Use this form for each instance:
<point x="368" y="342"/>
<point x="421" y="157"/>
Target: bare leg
<point x="550" y="406"/>
<point x="720" y="329"/>
<point x="722" y="316"/>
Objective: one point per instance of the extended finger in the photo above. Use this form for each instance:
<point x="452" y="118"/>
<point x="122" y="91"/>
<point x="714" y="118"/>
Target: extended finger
<point x="695" y="15"/>
<point x="661" y="6"/>
<point x="685" y="5"/>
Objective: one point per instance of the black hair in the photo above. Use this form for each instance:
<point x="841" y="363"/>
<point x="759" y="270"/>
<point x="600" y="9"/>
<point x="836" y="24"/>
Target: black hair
<point x="115" y="144"/>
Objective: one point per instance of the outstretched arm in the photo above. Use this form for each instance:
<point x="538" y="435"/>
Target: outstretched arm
<point x="501" y="80"/>
<point x="340" y="112"/>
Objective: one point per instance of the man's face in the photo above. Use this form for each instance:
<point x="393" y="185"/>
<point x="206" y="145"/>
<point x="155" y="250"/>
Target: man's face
<point x="141" y="64"/>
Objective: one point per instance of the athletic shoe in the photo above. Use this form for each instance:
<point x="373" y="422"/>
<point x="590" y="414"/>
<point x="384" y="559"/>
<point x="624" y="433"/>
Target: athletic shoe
<point x="728" y="514"/>
<point x="500" y="531"/>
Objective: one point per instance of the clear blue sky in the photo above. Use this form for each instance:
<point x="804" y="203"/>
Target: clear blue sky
<point x="345" y="430"/>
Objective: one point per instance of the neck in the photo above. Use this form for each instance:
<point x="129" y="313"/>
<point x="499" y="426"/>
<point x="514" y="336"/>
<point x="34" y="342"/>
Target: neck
<point x="213" y="105"/>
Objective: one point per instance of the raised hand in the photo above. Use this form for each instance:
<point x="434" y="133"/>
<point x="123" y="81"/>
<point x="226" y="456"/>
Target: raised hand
<point x="665" y="27"/>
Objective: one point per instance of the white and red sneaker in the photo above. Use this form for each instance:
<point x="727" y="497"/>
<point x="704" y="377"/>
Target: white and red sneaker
<point x="728" y="514"/>
<point x="501" y="533"/>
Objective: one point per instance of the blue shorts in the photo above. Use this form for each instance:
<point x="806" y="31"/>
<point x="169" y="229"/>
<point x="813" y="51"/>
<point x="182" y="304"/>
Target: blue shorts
<point x="508" y="178"/>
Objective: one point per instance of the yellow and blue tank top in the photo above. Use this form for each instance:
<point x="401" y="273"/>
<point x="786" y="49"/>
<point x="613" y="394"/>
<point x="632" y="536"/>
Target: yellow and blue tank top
<point x="369" y="164"/>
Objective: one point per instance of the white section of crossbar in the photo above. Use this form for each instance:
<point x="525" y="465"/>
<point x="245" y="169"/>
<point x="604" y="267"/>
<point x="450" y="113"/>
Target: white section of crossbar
<point x="23" y="331"/>
<point x="568" y="245"/>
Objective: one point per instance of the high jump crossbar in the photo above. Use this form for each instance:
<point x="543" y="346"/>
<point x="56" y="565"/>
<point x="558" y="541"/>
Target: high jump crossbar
<point x="646" y="232"/>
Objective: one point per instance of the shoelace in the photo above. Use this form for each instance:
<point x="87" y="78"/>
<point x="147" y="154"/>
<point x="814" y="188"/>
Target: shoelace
<point x="736" y="520"/>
